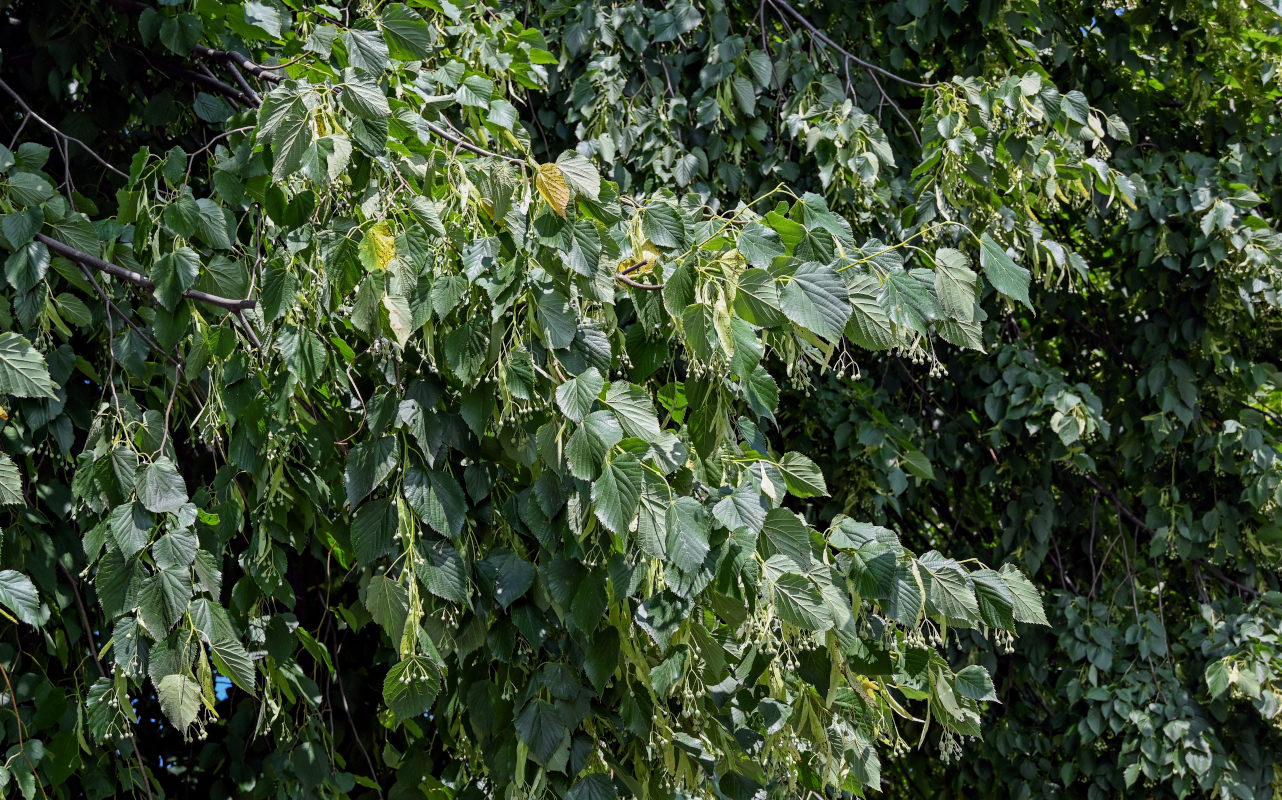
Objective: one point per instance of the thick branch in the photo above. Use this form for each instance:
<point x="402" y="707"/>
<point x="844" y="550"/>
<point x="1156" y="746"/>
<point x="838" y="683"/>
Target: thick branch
<point x="138" y="278"/>
<point x="654" y="287"/>
<point x="209" y="81"/>
<point x="232" y="58"/>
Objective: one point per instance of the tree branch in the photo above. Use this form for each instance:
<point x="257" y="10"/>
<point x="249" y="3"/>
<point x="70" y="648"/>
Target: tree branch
<point x="208" y="81"/>
<point x="783" y="5"/>
<point x="1125" y="511"/>
<point x="65" y="137"/>
<point x="138" y="278"/>
<point x="466" y="145"/>
<point x="653" y="287"/>
<point x="232" y="58"/>
<point x="93" y="655"/>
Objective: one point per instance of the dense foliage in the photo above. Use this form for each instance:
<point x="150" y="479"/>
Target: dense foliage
<point x="600" y="400"/>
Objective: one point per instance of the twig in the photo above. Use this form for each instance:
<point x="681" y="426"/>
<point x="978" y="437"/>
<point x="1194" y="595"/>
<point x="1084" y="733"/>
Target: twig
<point x="111" y="305"/>
<point x="1126" y="511"/>
<point x="1211" y="568"/>
<point x="466" y="145"/>
<point x="93" y="654"/>
<point x="191" y="160"/>
<point x="22" y="748"/>
<point x="169" y="407"/>
<point x="342" y="693"/>
<point x="1274" y="418"/>
<point x="783" y="5"/>
<point x="67" y="137"/>
<point x="142" y="280"/>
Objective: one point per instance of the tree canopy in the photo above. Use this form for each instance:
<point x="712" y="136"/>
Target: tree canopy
<point x="593" y="400"/>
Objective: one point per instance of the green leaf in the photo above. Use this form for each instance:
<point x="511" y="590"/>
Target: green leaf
<point x="580" y="175"/>
<point x="467" y="349"/>
<point x="816" y="299"/>
<point x="174" y="550"/>
<point x="23" y="372"/>
<point x="444" y="573"/>
<point x="388" y="603"/>
<point x="263" y="16"/>
<point x="20" y="226"/>
<point x="10" y="483"/>
<point x="437" y="499"/>
<point x="593" y="787"/>
<point x="665" y="675"/>
<point x="162" y="600"/>
<point x="591" y="442"/>
<point x="761" y="392"/>
<point x="162" y="490"/>
<point x="1004" y="274"/>
<point x="757" y="300"/>
<point x="975" y="683"/>
<point x="745" y="507"/>
<point x="508" y="575"/>
<point x="688" y="526"/>
<point x="663" y="225"/>
<point x="410" y="687"/>
<point x="907" y="596"/>
<point x="869" y="326"/>
<point x="105" y="706"/>
<point x="476" y="91"/>
<point x="368" y="465"/>
<point x="179" y="698"/>
<point x="364" y="98"/>
<point x="181" y="33"/>
<point x="541" y="727"/>
<point x="232" y="660"/>
<point x="174" y="274"/>
<point x="366" y="49"/>
<point x="759" y="246"/>
<point x="955" y="284"/>
<point x="617" y="493"/>
<point x="285" y="120"/>
<point x="18" y="595"/>
<point x="576" y="396"/>
<point x="117" y="583"/>
<point x="948" y="588"/>
<point x="996" y="603"/>
<point x="799" y="602"/>
<point x="785" y="533"/>
<point x="632" y="406"/>
<point x="130" y="527"/>
<point x="1075" y="106"/>
<point x="803" y="476"/>
<point x="181" y="214"/>
<point x="1217" y="678"/>
<point x="373" y="528"/>
<point x="1027" y="602"/>
<point x="406" y="33"/>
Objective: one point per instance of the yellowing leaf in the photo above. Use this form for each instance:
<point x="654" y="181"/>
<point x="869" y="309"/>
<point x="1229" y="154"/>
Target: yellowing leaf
<point x="378" y="248"/>
<point x="551" y="184"/>
<point x="649" y="254"/>
<point x="399" y="318"/>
